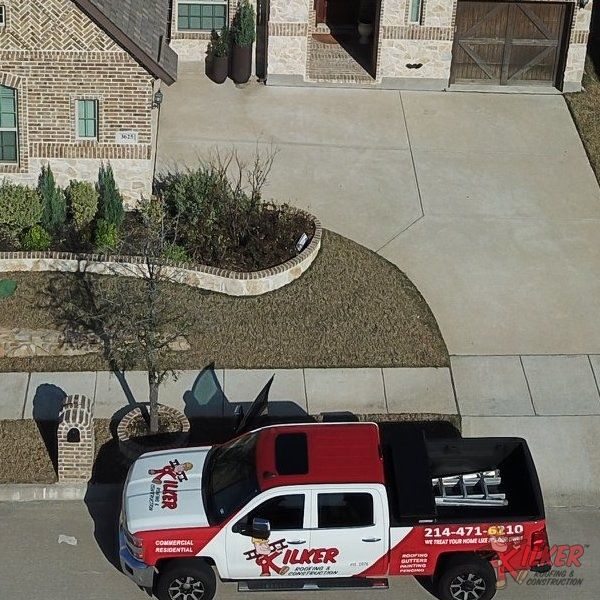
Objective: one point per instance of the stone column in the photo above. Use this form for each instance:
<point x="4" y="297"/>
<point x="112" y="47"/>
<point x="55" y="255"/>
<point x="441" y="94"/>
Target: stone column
<point x="76" y="439"/>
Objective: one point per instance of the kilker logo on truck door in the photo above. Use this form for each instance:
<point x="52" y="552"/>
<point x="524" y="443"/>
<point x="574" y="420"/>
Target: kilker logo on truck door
<point x="265" y="554"/>
<point x="165" y="483"/>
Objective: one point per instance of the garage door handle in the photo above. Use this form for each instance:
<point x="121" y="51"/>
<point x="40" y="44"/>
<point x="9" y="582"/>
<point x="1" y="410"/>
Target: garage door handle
<point x="371" y="539"/>
<point x="295" y="542"/>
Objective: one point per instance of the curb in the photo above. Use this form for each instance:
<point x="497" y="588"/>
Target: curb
<point x="32" y="492"/>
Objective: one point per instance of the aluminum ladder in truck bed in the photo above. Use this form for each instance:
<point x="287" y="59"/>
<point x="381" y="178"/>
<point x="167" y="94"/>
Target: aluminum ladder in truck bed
<point x="472" y="489"/>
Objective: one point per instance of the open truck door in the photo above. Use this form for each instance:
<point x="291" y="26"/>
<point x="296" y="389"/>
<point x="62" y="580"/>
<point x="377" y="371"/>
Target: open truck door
<point x="249" y="420"/>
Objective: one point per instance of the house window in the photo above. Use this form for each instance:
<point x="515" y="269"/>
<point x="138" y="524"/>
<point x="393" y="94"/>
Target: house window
<point x="87" y="119"/>
<point x="205" y="15"/>
<point x="416" y="10"/>
<point x="2" y="15"/>
<point x="8" y="125"/>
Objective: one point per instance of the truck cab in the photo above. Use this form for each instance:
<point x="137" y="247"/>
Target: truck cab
<point x="315" y="506"/>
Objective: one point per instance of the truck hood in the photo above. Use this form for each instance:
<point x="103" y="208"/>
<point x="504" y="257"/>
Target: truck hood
<point x="164" y="490"/>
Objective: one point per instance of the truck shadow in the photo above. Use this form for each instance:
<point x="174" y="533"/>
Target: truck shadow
<point x="213" y="420"/>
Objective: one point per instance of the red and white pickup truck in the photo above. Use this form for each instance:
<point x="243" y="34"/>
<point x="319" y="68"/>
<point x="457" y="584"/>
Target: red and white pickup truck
<point x="316" y="506"/>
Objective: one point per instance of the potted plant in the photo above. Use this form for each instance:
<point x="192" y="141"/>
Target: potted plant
<point x="243" y="33"/>
<point x="366" y="16"/>
<point x="218" y="52"/>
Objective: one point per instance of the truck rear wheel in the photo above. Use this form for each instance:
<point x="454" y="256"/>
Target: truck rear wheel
<point x="186" y="580"/>
<point x="466" y="578"/>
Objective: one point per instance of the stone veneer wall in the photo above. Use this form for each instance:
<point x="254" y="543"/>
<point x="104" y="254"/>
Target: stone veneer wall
<point x="288" y="36"/>
<point x="402" y="45"/>
<point x="577" y="48"/>
<point x="209" y="278"/>
<point x="54" y="55"/>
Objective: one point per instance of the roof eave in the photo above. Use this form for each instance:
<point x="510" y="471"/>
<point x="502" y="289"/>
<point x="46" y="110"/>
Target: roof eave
<point x="138" y="54"/>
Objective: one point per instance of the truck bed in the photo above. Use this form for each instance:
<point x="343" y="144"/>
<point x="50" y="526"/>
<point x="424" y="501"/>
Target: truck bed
<point x="412" y="458"/>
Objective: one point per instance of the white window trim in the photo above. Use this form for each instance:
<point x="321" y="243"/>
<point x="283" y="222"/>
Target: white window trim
<point x="15" y="129"/>
<point x="84" y="138"/>
<point x="2" y="15"/>
<point x="219" y="2"/>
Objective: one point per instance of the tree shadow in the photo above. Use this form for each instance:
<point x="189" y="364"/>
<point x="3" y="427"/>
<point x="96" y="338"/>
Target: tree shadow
<point x="47" y="404"/>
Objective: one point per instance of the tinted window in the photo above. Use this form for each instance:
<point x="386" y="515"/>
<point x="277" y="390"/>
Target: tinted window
<point x="229" y="477"/>
<point x="345" y="510"/>
<point x="291" y="454"/>
<point x="283" y="512"/>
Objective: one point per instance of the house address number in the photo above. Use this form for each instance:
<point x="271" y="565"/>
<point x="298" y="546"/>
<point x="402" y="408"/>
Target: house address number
<point x="126" y="137"/>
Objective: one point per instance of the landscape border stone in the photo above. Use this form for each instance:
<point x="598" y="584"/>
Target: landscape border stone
<point x="131" y="449"/>
<point x="232" y="283"/>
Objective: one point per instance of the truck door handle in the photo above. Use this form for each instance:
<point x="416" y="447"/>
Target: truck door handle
<point x="296" y="542"/>
<point x="371" y="539"/>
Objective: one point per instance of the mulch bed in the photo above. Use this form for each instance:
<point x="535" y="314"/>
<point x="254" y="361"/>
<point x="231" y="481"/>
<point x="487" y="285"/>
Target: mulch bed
<point x="352" y="308"/>
<point x="585" y="108"/>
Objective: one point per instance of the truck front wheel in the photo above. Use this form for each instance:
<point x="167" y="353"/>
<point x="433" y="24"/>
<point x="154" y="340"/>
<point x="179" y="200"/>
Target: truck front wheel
<point x="189" y="580"/>
<point x="463" y="578"/>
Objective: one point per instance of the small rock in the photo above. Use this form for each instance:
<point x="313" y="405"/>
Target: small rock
<point x="67" y="539"/>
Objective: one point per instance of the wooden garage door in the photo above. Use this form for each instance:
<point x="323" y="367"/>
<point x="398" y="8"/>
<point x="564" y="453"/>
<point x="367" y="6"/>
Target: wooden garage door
<point x="508" y="43"/>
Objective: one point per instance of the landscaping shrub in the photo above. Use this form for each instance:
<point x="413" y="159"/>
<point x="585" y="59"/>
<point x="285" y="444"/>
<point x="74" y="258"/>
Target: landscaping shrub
<point x="54" y="203"/>
<point x="176" y="253"/>
<point x="220" y="42"/>
<point x="243" y="25"/>
<point x="20" y="207"/>
<point x="83" y="203"/>
<point x="110" y="200"/>
<point x="107" y="236"/>
<point x="36" y="239"/>
<point x="220" y="218"/>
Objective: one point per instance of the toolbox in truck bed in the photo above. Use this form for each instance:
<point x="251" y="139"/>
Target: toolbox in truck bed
<point x="414" y="463"/>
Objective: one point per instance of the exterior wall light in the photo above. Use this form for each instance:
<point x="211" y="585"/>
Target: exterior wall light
<point x="158" y="99"/>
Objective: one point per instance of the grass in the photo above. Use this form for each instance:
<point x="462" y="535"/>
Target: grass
<point x="585" y="108"/>
<point x="351" y="309"/>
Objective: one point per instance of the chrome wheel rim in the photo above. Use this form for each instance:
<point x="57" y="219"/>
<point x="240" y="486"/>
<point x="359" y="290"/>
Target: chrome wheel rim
<point x="186" y="588"/>
<point x="467" y="586"/>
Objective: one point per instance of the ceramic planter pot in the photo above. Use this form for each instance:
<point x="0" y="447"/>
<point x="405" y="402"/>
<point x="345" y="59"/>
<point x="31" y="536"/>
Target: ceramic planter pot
<point x="220" y="68"/>
<point x="365" y="30"/>
<point x="241" y="63"/>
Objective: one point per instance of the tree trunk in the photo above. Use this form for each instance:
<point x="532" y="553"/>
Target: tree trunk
<point x="153" y="385"/>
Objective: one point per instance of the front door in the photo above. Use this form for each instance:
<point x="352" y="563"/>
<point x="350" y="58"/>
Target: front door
<point x="508" y="43"/>
<point x="352" y="522"/>
<point x="252" y="557"/>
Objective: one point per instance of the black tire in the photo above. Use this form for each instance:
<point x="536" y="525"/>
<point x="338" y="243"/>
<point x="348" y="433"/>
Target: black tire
<point x="181" y="573"/>
<point x="466" y="578"/>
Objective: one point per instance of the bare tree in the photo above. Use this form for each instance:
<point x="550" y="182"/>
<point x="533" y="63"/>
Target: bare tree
<point x="135" y="317"/>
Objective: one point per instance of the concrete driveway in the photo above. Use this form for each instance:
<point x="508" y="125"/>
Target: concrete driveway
<point x="486" y="201"/>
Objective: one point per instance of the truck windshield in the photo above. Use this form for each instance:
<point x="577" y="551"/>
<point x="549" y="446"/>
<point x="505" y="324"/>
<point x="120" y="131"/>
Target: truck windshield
<point x="230" y="478"/>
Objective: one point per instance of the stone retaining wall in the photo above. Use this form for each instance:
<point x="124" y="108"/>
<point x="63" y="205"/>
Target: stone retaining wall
<point x="214" y="279"/>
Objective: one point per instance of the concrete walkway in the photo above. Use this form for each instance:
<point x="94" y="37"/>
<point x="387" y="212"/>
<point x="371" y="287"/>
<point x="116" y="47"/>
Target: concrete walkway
<point x="486" y="201"/>
<point x="214" y="393"/>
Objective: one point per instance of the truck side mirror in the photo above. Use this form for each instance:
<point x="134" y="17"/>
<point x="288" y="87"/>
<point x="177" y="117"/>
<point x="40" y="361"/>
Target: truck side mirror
<point x="261" y="529"/>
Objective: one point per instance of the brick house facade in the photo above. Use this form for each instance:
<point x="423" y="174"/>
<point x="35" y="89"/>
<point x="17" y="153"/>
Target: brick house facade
<point x="55" y="56"/>
<point x="415" y="44"/>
